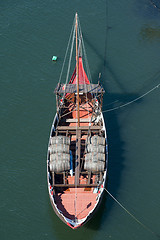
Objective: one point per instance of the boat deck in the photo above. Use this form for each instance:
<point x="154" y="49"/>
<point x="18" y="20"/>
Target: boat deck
<point x="76" y="203"/>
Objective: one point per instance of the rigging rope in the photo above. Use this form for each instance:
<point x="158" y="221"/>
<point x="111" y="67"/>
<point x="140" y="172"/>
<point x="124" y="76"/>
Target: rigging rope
<point x="134" y="100"/>
<point x="66" y="51"/>
<point x="70" y="58"/>
<point x="138" y="221"/>
<point x="104" y="65"/>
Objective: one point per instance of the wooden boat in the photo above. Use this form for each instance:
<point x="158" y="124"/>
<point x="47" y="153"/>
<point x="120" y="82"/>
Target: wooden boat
<point x="77" y="150"/>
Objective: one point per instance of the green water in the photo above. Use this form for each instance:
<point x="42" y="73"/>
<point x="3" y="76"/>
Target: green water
<point x="122" y="40"/>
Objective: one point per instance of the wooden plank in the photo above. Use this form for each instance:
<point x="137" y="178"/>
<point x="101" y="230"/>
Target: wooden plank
<point x="53" y="181"/>
<point x="83" y="88"/>
<point x="78" y="156"/>
<point x="89" y="177"/>
<point x="64" y="177"/>
<point x="74" y="186"/>
<point x="73" y="120"/>
<point x="73" y="132"/>
<point x="80" y="128"/>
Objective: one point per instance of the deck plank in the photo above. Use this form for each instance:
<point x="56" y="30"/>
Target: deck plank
<point x="81" y="128"/>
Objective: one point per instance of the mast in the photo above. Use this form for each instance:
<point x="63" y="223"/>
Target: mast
<point x="77" y="68"/>
<point x="78" y="132"/>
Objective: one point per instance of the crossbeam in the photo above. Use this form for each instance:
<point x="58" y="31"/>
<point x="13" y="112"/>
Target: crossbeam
<point x="74" y="120"/>
<point x="59" y="128"/>
<point x="77" y="186"/>
<point x="83" y="88"/>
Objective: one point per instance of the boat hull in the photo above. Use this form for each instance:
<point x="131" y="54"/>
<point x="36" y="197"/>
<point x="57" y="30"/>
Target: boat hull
<point x="100" y="193"/>
<point x="78" y="150"/>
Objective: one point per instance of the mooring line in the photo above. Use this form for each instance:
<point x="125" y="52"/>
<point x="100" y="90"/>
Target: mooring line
<point x="136" y="99"/>
<point x="138" y="221"/>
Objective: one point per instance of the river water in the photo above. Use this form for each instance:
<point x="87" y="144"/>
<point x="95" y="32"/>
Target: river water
<point x="122" y="40"/>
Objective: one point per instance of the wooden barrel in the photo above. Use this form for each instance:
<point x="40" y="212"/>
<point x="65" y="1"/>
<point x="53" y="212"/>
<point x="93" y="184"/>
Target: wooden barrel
<point x="60" y="140"/>
<point x="59" y="148"/>
<point x="95" y="148"/>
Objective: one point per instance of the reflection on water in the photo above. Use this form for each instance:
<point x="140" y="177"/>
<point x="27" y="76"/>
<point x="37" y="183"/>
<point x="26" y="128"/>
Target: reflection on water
<point x="150" y="33"/>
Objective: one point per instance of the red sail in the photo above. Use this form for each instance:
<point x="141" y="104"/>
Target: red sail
<point x="83" y="79"/>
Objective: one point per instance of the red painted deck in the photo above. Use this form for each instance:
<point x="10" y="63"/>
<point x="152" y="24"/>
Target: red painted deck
<point x="76" y="203"/>
<point x="83" y="113"/>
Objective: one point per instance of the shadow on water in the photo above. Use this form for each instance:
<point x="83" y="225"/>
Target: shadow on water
<point x="116" y="160"/>
<point x="105" y="63"/>
<point x="116" y="144"/>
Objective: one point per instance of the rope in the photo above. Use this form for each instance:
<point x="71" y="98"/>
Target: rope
<point x="70" y="58"/>
<point x="136" y="99"/>
<point x="154" y="4"/>
<point x="66" y="51"/>
<point x="138" y="221"/>
<point x="104" y="65"/>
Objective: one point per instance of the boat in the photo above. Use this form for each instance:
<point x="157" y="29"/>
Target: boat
<point x="77" y="150"/>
